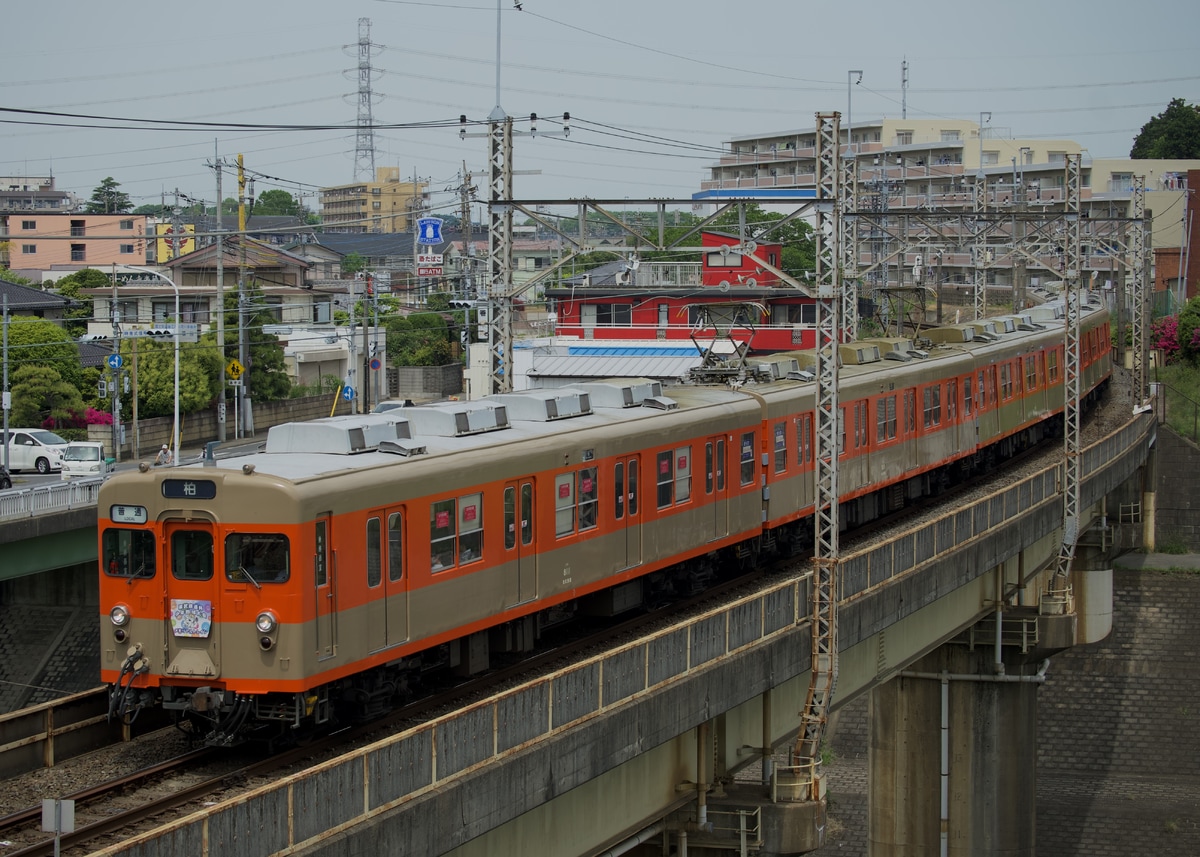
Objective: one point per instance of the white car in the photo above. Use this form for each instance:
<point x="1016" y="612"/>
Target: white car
<point x="35" y="449"/>
<point x="85" y="458"/>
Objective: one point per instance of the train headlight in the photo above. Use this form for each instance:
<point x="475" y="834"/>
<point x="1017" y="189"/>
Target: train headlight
<point x="266" y="622"/>
<point x="119" y="615"/>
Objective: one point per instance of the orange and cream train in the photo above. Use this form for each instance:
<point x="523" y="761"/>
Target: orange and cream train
<point x="313" y="581"/>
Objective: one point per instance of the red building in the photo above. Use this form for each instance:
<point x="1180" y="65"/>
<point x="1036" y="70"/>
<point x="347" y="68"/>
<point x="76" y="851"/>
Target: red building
<point x="725" y="293"/>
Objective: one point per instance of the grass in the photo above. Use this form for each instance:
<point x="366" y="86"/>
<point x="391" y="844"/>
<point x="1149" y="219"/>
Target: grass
<point x="1183" y="397"/>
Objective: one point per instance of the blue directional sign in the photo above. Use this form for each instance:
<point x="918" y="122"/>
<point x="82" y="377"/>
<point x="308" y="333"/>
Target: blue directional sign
<point x="114" y="361"/>
<point x="429" y="230"/>
<point x="348" y="393"/>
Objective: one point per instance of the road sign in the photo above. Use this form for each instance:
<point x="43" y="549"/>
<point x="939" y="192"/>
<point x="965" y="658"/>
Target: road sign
<point x="348" y="393"/>
<point x="429" y="272"/>
<point x="375" y="364"/>
<point x="429" y="230"/>
<point x="235" y="369"/>
<point x="234" y="383"/>
<point x="114" y="361"/>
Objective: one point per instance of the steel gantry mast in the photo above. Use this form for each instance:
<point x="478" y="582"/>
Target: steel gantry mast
<point x="849" y="247"/>
<point x="980" y="246"/>
<point x="823" y="679"/>
<point x="1059" y="596"/>
<point x="1136" y="281"/>
<point x="495" y="290"/>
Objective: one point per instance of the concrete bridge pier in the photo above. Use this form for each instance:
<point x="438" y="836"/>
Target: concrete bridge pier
<point x="952" y="757"/>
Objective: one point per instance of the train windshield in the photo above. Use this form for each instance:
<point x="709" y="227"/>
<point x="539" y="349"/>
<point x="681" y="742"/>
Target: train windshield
<point x="128" y="553"/>
<point x="257" y="558"/>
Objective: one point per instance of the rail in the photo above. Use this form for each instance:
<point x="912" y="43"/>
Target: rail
<point x="28" y="502"/>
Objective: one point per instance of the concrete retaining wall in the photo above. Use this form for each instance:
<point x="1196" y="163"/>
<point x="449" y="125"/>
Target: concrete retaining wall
<point x="1177" y="518"/>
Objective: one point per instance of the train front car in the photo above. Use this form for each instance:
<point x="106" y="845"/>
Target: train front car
<point x="199" y="595"/>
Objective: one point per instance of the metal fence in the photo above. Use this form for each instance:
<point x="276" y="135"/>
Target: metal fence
<point x="27" y="502"/>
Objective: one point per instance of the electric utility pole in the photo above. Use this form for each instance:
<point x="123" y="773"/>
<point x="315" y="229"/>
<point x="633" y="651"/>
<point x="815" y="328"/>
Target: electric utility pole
<point x="219" y="166"/>
<point x="243" y="303"/>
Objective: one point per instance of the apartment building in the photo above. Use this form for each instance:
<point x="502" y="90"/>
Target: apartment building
<point x="382" y="206"/>
<point x="40" y="242"/>
<point x="34" y="193"/>
<point x="907" y="166"/>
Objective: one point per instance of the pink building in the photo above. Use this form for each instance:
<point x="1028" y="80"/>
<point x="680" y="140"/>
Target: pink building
<point x="40" y="242"/>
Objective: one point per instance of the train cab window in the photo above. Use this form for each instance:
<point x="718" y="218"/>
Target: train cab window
<point x="683" y="474"/>
<point x="885" y="419"/>
<point x="933" y="405"/>
<point x="746" y="457"/>
<point x="257" y="558"/>
<point x="663" y="480"/>
<point x="374" y="553"/>
<point x="443" y="542"/>
<point x="470" y="528"/>
<point x="780" y="448"/>
<point x="395" y="546"/>
<point x="129" y="553"/>
<point x="968" y="400"/>
<point x="191" y="555"/>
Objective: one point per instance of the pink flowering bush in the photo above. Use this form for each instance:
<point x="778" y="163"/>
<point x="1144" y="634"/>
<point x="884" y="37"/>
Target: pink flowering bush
<point x="1164" y="337"/>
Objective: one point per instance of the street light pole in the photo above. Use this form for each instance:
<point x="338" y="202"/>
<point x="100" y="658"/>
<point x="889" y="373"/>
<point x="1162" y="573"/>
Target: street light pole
<point x="174" y="288"/>
<point x="982" y="114"/>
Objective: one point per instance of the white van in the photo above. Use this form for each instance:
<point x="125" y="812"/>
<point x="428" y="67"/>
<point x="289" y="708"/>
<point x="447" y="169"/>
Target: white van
<point x="35" y="449"/>
<point x="85" y="458"/>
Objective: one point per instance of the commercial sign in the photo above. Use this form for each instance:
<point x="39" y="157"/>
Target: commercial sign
<point x="425" y="260"/>
<point x="434" y="271"/>
<point x="429" y="230"/>
<point x="172" y="242"/>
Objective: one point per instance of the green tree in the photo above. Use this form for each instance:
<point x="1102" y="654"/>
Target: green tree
<point x="35" y="341"/>
<point x="1188" y="332"/>
<point x="269" y="379"/>
<point x="107" y="199"/>
<point x="70" y="287"/>
<point x="277" y="202"/>
<point x="796" y="236"/>
<point x="353" y="263"/>
<point x="199" y="374"/>
<point x="1174" y="133"/>
<point x="40" y="393"/>
<point x="420" y="339"/>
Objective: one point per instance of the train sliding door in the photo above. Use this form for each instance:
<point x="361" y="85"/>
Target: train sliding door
<point x="519" y="542"/>
<point x="193" y="602"/>
<point x="714" y="484"/>
<point x="324" y="574"/>
<point x="626" y="498"/>
<point x="387" y="585"/>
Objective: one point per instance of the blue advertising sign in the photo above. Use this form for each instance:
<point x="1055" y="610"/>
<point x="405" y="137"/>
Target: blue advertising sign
<point x="429" y="230"/>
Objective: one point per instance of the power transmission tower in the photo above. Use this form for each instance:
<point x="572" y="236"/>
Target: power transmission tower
<point x="364" y="146"/>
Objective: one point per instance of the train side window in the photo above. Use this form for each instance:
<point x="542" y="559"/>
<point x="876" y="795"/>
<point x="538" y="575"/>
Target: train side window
<point x="951" y="399"/>
<point x="885" y="418"/>
<point x="968" y="401"/>
<point x="374" y="553"/>
<point x="257" y="558"/>
<point x="683" y="474"/>
<point x="564" y="504"/>
<point x="933" y="405"/>
<point x="1052" y="364"/>
<point x="619" y="490"/>
<point x="633" y="486"/>
<point x="442" y="541"/>
<point x="664" y="479"/>
<point x="1006" y="389"/>
<point x="747" y="458"/>
<point x="192" y="555"/>
<point x="470" y="528"/>
<point x="320" y="560"/>
<point x="910" y="411"/>
<point x="129" y="553"/>
<point x="708" y="467"/>
<point x="589" y="498"/>
<point x="527" y="513"/>
<point x="510" y="518"/>
<point x="780" y="448"/>
<point x="720" y="465"/>
<point x="1031" y="373"/>
<point x="804" y="439"/>
<point x="842" y="421"/>
<point x="395" y="546"/>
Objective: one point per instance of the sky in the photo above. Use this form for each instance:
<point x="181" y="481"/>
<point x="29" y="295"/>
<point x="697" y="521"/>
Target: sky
<point x="654" y="87"/>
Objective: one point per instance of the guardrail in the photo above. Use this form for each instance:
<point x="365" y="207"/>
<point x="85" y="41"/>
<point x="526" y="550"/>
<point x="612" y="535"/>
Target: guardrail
<point x="28" y="502"/>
